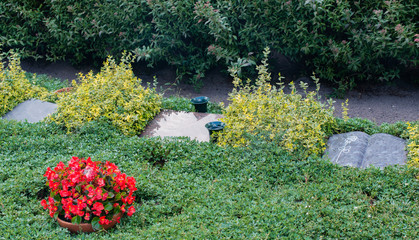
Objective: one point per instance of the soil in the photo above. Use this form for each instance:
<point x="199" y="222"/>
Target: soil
<point x="387" y="103"/>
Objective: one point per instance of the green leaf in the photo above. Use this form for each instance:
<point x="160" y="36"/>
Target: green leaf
<point x="76" y="220"/>
<point x="108" y="206"/>
<point x="95" y="223"/>
<point x="56" y="215"/>
<point x="57" y="198"/>
<point x="118" y="196"/>
<point x="111" y="195"/>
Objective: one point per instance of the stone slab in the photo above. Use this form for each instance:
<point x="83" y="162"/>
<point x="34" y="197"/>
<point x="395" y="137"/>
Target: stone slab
<point x="358" y="149"/>
<point x="32" y="110"/>
<point x="170" y="123"/>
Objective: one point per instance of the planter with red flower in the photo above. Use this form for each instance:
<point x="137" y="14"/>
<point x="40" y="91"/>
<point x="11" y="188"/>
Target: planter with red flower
<point x="88" y="195"/>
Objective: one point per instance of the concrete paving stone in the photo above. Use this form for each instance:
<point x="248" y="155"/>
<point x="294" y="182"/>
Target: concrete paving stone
<point x="170" y="123"/>
<point x="32" y="110"/>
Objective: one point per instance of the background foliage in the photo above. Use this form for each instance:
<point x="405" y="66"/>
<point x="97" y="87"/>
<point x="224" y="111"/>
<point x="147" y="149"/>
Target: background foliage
<point x="346" y="43"/>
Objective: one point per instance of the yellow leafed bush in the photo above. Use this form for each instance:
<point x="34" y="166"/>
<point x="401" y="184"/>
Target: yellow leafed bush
<point x="264" y="111"/>
<point x="15" y="87"/>
<point x="115" y="94"/>
<point x="413" y="146"/>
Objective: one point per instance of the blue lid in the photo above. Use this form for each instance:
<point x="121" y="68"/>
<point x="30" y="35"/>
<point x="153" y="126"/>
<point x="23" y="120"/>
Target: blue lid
<point x="216" y="125"/>
<point x="199" y="100"/>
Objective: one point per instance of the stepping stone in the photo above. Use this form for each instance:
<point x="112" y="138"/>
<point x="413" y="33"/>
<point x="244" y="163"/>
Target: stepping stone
<point x="170" y="123"/>
<point x="358" y="149"/>
<point x="32" y="110"/>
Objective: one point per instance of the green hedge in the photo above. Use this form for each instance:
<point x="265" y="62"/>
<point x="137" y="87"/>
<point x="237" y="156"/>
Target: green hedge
<point x="204" y="191"/>
<point x="347" y="43"/>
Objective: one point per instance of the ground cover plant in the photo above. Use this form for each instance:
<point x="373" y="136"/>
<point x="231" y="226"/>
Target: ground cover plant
<point x="206" y="191"/>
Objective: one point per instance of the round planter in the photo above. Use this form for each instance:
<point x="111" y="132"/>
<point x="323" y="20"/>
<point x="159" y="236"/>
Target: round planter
<point x="67" y="89"/>
<point x="86" y="227"/>
<point x="200" y="103"/>
<point x="213" y="127"/>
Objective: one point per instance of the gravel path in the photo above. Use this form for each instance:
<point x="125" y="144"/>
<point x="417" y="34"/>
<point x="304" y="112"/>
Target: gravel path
<point x="382" y="104"/>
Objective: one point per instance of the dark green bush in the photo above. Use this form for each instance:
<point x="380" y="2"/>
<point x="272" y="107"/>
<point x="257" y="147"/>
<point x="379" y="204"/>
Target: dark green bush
<point x="347" y="43"/>
<point x="75" y="30"/>
<point x="352" y="42"/>
<point x="204" y="191"/>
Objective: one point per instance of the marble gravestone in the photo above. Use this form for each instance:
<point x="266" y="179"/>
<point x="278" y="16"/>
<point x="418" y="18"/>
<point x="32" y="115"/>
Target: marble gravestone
<point x="358" y="149"/>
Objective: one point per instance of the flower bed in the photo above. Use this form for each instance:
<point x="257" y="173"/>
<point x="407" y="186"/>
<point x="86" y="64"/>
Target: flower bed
<point x="89" y="192"/>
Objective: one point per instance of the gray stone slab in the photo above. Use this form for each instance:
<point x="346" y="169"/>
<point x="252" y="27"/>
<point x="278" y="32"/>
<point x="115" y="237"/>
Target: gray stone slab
<point x="181" y="124"/>
<point x="32" y="110"/>
<point x="384" y="150"/>
<point x="358" y="149"/>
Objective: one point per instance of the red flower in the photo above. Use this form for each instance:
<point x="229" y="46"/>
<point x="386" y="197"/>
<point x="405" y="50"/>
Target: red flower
<point x="92" y="192"/>
<point x="51" y="175"/>
<point x="89" y="201"/>
<point x="105" y="196"/>
<point x="98" y="207"/>
<point x="120" y="180"/>
<point x="83" y="188"/>
<point x="53" y="185"/>
<point x="131" y="183"/>
<point x="44" y="203"/>
<point x="98" y="192"/>
<point x="103" y="220"/>
<point x="100" y="182"/>
<point x="65" y="193"/>
<point x="131" y="210"/>
<point x="59" y="167"/>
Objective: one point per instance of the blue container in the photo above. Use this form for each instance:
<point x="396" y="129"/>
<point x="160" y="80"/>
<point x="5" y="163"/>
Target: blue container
<point x="200" y="103"/>
<point x="213" y="127"/>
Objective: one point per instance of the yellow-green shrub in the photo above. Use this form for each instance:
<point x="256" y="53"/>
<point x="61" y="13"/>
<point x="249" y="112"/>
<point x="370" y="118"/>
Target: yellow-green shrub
<point x="413" y="146"/>
<point x="115" y="94"/>
<point x="15" y="87"/>
<point x="262" y="110"/>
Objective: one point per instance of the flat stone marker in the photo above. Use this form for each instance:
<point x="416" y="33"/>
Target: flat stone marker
<point x="358" y="149"/>
<point x="32" y="110"/>
<point x="181" y="124"/>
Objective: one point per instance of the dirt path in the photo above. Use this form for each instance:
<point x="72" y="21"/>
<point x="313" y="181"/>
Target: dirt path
<point x="382" y="104"/>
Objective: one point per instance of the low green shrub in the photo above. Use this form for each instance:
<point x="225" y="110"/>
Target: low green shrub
<point x="114" y="94"/>
<point x="298" y="123"/>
